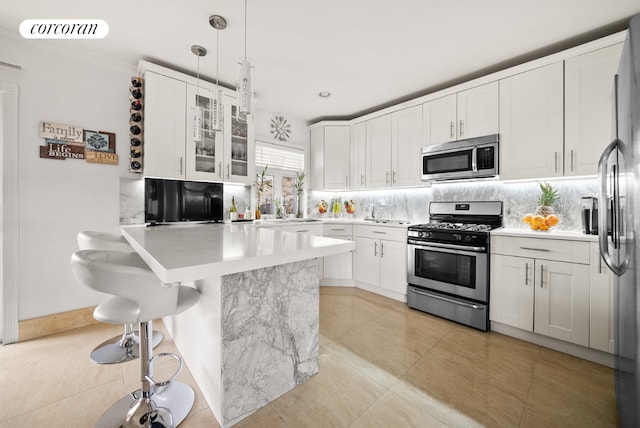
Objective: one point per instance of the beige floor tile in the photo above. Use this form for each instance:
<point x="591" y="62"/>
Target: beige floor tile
<point x="391" y="410"/>
<point x="381" y="365"/>
<point x="334" y="397"/>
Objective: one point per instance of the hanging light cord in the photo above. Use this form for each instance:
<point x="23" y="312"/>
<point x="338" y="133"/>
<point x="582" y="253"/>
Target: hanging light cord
<point x="198" y="88"/>
<point x="217" y="54"/>
<point x="245" y="30"/>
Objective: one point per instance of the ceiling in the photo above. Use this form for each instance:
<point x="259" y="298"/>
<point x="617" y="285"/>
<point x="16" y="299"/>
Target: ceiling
<point x="367" y="53"/>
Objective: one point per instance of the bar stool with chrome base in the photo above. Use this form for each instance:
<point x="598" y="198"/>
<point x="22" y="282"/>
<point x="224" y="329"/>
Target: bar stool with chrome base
<point x="138" y="296"/>
<point x="124" y="347"/>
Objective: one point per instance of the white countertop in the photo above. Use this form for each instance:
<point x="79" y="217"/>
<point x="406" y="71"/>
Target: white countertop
<point x="571" y="235"/>
<point x="282" y="222"/>
<point x="190" y="252"/>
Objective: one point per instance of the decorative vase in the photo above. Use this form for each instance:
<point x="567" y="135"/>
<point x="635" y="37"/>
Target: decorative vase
<point x="257" y="213"/>
<point x="299" y="212"/>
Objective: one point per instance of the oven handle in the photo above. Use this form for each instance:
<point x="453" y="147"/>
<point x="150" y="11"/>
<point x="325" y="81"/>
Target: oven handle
<point x="439" y="245"/>
<point x="446" y="299"/>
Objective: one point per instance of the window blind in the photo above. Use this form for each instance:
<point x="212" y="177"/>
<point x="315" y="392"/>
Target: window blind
<point x="277" y="156"/>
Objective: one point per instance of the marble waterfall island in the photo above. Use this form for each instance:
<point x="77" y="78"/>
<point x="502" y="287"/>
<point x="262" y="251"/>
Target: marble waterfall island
<point x="254" y="335"/>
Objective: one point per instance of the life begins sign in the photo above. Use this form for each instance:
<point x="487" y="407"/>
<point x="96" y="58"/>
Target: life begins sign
<point x="71" y="142"/>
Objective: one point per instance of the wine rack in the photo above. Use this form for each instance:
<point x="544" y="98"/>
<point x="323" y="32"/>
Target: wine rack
<point x="136" y="124"/>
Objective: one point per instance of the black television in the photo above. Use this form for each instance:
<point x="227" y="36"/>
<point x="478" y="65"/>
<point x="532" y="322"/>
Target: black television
<point x="169" y="201"/>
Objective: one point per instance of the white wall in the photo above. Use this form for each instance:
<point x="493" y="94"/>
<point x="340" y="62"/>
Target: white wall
<point x="59" y="198"/>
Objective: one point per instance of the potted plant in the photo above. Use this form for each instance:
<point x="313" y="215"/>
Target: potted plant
<point x="261" y="186"/>
<point x="299" y="188"/>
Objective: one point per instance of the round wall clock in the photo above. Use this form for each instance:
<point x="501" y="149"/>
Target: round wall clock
<point x="280" y="128"/>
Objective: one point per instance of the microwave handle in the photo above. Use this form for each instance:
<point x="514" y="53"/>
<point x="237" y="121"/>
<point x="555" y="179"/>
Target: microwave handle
<point x="474" y="159"/>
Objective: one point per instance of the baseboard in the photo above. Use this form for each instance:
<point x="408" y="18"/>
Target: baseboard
<point x="382" y="291"/>
<point x="332" y="282"/>
<point x="56" y="323"/>
<point x="593" y="355"/>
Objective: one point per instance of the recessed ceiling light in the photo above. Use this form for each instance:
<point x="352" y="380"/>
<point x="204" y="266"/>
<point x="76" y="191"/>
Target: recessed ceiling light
<point x="324" y="94"/>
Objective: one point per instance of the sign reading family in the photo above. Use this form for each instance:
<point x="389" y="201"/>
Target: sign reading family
<point x="71" y="142"/>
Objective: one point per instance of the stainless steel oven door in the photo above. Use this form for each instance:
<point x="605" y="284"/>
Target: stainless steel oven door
<point x="453" y="269"/>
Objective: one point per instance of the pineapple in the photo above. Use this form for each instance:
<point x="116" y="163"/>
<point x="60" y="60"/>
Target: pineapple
<point x="546" y="200"/>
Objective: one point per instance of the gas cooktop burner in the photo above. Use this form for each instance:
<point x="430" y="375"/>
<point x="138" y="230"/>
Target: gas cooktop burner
<point x="455" y="226"/>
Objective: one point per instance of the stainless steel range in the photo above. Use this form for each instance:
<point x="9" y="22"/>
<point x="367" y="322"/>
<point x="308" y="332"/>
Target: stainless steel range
<point x="448" y="261"/>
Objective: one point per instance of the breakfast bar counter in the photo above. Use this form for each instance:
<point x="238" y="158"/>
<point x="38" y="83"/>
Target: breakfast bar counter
<point x="254" y="335"/>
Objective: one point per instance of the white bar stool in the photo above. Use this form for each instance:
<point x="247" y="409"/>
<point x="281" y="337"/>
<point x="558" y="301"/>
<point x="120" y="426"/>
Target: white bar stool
<point x="124" y="347"/>
<point x="138" y="296"/>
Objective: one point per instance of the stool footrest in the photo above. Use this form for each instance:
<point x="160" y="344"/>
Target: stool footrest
<point x="166" y="382"/>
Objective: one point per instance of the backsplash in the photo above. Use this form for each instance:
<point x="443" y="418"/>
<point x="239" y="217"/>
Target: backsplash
<point x="412" y="204"/>
<point x="409" y="204"/>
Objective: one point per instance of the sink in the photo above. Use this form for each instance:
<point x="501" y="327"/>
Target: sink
<point x="387" y="221"/>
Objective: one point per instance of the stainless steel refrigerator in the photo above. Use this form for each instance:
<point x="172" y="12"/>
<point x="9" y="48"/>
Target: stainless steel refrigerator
<point x="619" y="222"/>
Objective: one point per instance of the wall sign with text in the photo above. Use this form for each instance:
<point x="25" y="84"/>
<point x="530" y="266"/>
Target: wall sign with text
<point x="71" y="142"/>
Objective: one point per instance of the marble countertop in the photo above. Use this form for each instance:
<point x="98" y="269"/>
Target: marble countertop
<point x="190" y="252"/>
<point x="572" y="235"/>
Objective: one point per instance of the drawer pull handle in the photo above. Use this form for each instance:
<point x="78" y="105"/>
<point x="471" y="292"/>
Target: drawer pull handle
<point x="302" y="230"/>
<point x="535" y="249"/>
<point x="381" y="233"/>
<point x="337" y="230"/>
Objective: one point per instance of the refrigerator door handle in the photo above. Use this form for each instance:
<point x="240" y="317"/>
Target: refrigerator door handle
<point x="603" y="217"/>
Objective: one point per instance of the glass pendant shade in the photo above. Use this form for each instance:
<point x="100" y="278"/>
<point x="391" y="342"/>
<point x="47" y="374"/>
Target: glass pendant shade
<point x="216" y="111"/>
<point x="198" y="117"/>
<point x="243" y="87"/>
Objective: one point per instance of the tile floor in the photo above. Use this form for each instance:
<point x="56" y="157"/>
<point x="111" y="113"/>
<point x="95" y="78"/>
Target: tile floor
<point x="381" y="365"/>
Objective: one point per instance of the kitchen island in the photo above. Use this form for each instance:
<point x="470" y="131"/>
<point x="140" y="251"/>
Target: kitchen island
<point x="254" y="335"/>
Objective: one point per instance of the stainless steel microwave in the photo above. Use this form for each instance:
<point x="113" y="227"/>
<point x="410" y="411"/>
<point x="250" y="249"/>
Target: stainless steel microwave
<point x="470" y="158"/>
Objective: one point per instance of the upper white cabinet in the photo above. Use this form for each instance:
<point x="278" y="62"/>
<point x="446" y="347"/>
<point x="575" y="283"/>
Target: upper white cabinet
<point x="406" y="145"/>
<point x="204" y="158"/>
<point x="531" y="123"/>
<point x="378" y="151"/>
<point x="164" y="126"/>
<point x="466" y="114"/>
<point x="392" y="148"/>
<point x="358" y="159"/>
<point x="589" y="124"/>
<point x="330" y="154"/>
<point x="169" y="147"/>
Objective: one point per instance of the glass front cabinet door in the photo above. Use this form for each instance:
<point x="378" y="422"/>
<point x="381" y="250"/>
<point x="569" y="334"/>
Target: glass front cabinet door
<point x="204" y="147"/>
<point x="239" y="145"/>
<point x="226" y="155"/>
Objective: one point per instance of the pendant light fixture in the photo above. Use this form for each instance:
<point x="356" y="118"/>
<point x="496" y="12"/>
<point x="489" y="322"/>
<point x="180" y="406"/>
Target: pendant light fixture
<point x="243" y="85"/>
<point x="198" y="111"/>
<point x="219" y="23"/>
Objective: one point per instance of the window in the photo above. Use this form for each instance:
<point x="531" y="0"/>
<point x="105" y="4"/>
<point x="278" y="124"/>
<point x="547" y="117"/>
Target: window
<point x="284" y="162"/>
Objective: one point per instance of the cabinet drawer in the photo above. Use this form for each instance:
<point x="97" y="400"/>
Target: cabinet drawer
<point x="382" y="232"/>
<point x="337" y="229"/>
<point x="549" y="249"/>
<point x="315" y="229"/>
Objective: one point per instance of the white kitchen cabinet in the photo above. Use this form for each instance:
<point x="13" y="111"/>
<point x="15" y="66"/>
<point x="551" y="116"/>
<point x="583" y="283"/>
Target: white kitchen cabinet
<point x="164" y="126"/>
<point x="381" y="258"/>
<point x="316" y="158"/>
<point x="512" y="291"/>
<point x="357" y="158"/>
<point x="302" y="228"/>
<point x="531" y="123"/>
<point x="601" y="333"/>
<point x="541" y="285"/>
<point x="338" y="266"/>
<point x="330" y="153"/>
<point x="589" y="97"/>
<point x="239" y="144"/>
<point x="378" y="152"/>
<point x="466" y="114"/>
<point x="392" y="151"/>
<point x="406" y="145"/>
<point x="169" y="127"/>
<point x="204" y="159"/>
